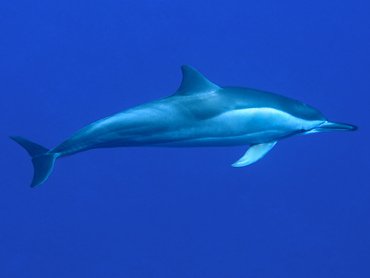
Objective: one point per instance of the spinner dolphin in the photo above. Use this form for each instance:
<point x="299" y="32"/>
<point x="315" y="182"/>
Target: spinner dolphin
<point x="199" y="114"/>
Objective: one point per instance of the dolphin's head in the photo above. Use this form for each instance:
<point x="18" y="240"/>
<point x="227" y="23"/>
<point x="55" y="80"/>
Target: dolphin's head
<point x="306" y="112"/>
<point x="313" y="115"/>
<point x="317" y="122"/>
<point x="313" y="119"/>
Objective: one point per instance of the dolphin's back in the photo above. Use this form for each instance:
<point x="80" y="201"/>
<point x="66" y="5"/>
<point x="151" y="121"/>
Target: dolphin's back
<point x="244" y="98"/>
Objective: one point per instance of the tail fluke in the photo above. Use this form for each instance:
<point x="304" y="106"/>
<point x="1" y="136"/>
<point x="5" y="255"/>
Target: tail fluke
<point x="42" y="160"/>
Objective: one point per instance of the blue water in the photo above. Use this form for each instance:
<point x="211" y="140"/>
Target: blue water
<point x="302" y="211"/>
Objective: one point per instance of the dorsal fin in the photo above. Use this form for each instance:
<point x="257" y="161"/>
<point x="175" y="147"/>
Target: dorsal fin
<point x="194" y="83"/>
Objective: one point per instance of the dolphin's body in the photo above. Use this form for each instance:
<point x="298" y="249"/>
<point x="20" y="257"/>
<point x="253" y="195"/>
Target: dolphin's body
<point x="199" y="114"/>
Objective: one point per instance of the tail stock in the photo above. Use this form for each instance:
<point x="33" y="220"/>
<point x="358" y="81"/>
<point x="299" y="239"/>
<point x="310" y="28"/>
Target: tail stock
<point x="42" y="160"/>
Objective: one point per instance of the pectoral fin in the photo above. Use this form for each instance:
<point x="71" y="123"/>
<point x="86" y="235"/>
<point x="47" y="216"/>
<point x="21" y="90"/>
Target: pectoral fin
<point x="254" y="153"/>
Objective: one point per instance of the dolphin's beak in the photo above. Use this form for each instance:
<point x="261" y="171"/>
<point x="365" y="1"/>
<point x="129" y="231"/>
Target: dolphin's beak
<point x="329" y="126"/>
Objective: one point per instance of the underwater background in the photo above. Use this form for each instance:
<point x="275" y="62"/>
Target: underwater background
<point x="302" y="211"/>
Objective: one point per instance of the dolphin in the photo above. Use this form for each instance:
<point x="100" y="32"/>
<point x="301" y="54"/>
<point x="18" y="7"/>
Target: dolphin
<point x="198" y="114"/>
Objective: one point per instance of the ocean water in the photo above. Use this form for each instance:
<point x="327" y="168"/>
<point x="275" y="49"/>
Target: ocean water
<point x="302" y="211"/>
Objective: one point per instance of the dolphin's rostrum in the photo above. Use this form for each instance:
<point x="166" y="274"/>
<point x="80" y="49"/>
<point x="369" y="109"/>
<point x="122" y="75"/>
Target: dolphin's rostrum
<point x="199" y="114"/>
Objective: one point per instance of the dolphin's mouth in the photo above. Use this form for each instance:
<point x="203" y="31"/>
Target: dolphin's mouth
<point x="329" y="126"/>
